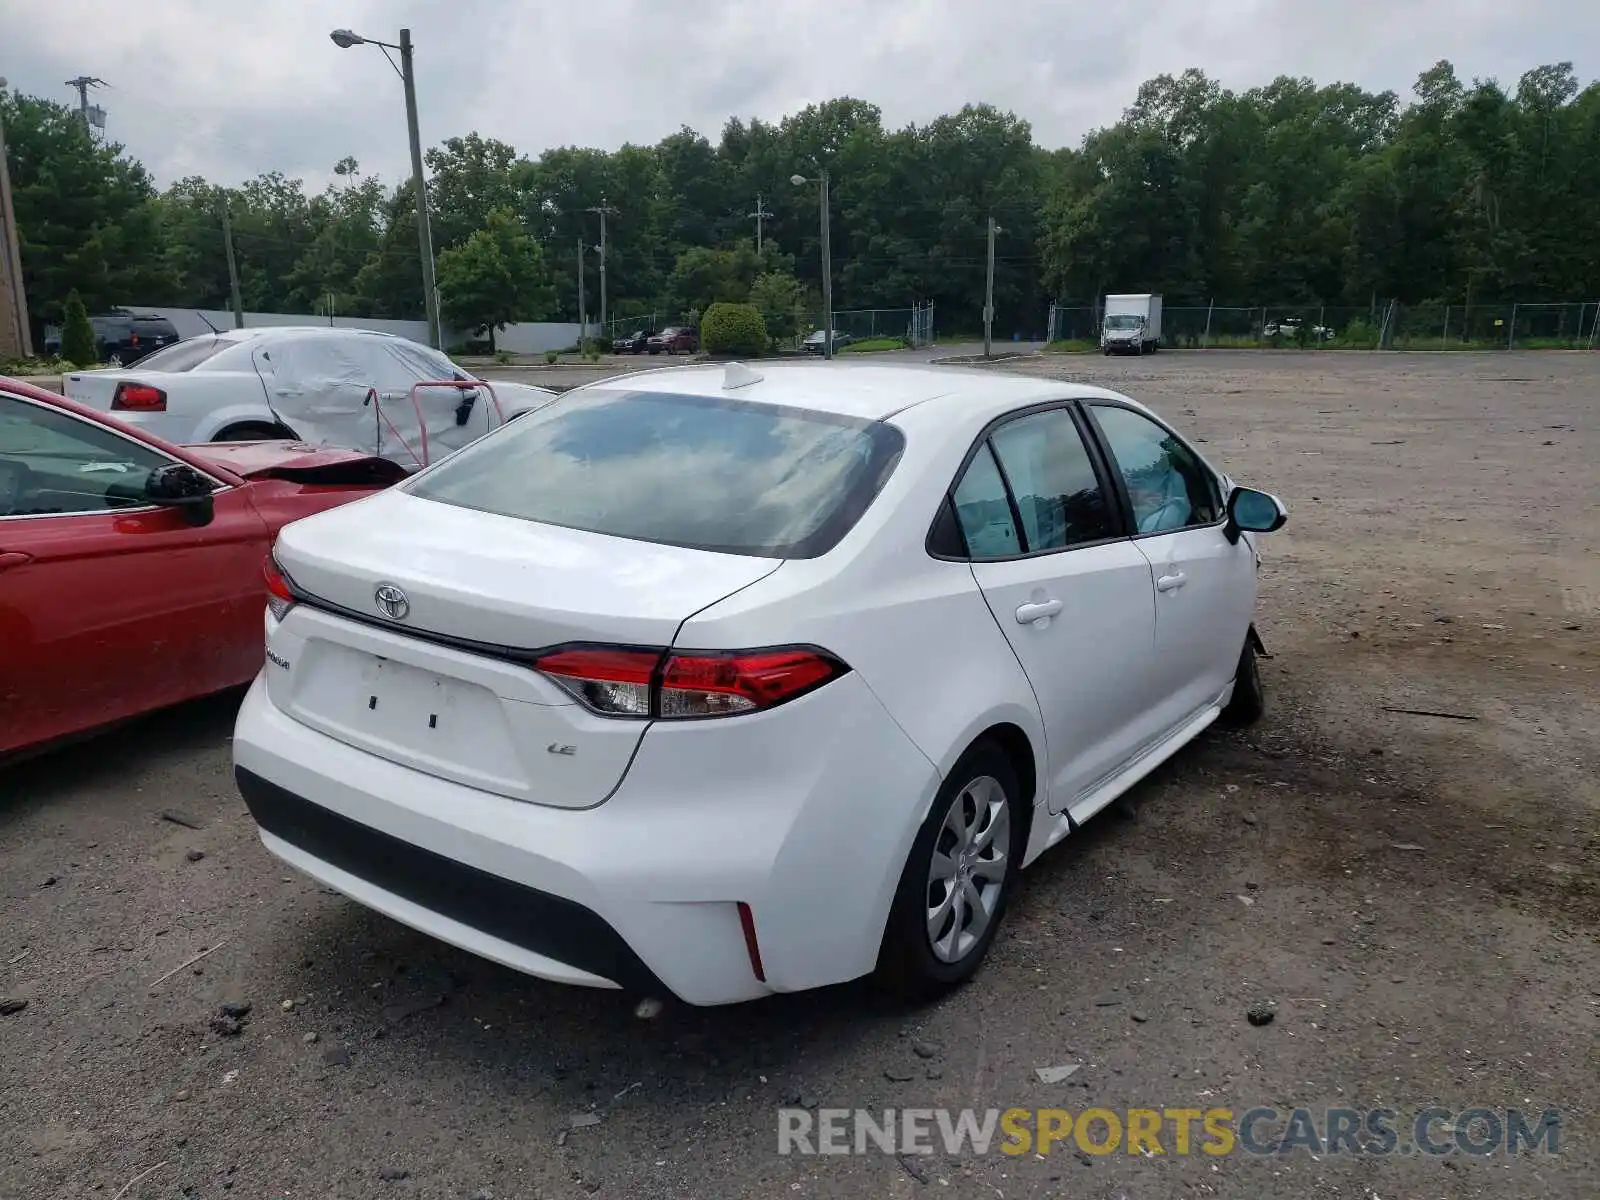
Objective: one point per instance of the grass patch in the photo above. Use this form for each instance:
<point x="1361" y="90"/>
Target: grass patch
<point x="1071" y="346"/>
<point x="873" y="345"/>
<point x="21" y="368"/>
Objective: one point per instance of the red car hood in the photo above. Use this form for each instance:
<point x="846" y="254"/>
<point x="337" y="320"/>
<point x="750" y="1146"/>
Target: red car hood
<point x="298" y="461"/>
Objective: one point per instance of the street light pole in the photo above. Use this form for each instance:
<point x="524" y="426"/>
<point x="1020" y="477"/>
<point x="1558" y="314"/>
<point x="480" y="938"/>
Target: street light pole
<point x="424" y="230"/>
<point x="827" y="274"/>
<point x="988" y="297"/>
<point x="344" y="39"/>
<point x="827" y="261"/>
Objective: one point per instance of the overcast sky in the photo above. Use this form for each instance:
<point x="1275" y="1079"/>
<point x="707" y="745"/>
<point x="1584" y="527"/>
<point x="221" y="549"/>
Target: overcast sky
<point x="231" y="88"/>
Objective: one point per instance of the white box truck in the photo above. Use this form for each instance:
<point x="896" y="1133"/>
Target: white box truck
<point x="1132" y="324"/>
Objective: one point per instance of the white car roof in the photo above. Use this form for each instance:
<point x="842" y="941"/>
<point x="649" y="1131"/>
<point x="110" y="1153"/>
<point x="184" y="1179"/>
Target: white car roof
<point x="275" y="333"/>
<point x="871" y="391"/>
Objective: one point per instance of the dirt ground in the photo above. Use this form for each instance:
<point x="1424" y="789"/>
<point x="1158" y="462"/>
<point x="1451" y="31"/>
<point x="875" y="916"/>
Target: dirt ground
<point x="1417" y="895"/>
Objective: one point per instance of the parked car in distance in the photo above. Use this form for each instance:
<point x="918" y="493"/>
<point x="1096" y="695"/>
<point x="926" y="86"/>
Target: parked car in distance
<point x="716" y="682"/>
<point x="813" y="341"/>
<point x="122" y="338"/>
<point x="130" y="569"/>
<point x="1293" y="329"/>
<point x="637" y="342"/>
<point x="351" y="388"/>
<point x="675" y="339"/>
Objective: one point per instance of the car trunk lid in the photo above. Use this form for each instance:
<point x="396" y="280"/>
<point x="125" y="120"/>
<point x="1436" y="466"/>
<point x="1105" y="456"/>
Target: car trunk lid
<point x="438" y="671"/>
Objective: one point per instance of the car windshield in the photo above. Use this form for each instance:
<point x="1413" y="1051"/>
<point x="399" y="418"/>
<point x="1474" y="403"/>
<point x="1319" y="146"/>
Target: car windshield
<point x="185" y="355"/>
<point x="708" y="473"/>
<point x="1123" y="321"/>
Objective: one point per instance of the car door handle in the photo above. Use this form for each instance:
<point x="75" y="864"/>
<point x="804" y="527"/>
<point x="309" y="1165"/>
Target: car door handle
<point x="1172" y="582"/>
<point x="13" y="558"/>
<point x="1027" y="614"/>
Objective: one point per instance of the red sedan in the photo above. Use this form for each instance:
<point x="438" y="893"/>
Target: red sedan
<point x="130" y="568"/>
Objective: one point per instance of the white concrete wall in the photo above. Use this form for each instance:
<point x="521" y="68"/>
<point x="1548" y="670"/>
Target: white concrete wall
<point x="529" y="337"/>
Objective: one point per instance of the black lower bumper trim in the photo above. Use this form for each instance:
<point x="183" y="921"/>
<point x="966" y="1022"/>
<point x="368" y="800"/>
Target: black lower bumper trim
<point x="552" y="926"/>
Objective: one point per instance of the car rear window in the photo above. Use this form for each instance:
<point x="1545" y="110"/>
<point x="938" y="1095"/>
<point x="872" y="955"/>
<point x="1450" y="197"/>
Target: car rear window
<point x="711" y="473"/>
<point x="185" y="355"/>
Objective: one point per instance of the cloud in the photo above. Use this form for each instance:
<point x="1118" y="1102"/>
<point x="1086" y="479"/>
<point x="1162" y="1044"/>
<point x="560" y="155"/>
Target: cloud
<point x="231" y="90"/>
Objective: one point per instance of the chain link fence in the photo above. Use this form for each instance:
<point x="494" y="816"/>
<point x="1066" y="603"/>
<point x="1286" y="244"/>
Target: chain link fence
<point x="907" y="326"/>
<point x="1381" y="325"/>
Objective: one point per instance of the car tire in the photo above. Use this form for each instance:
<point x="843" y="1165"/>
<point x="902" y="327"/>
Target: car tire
<point x="1249" y="702"/>
<point x="922" y="955"/>
<point x="252" y="431"/>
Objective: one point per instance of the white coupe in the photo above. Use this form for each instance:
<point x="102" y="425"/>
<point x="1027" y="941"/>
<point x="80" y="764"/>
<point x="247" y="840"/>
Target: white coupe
<point x="329" y="386"/>
<point x="711" y="683"/>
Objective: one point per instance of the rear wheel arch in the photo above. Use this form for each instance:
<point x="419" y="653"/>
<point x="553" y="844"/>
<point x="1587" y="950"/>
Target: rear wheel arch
<point x="1012" y="741"/>
<point x="252" y="431"/>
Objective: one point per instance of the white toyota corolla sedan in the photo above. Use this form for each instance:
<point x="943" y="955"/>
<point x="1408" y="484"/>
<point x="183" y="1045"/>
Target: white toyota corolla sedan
<point x="716" y="682"/>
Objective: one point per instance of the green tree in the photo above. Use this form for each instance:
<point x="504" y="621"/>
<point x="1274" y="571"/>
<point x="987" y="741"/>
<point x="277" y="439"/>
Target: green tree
<point x="86" y="213"/>
<point x="77" y="335"/>
<point x="778" y="297"/>
<point x="495" y="277"/>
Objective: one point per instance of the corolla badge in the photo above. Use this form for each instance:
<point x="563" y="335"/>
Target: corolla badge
<point x="391" y="601"/>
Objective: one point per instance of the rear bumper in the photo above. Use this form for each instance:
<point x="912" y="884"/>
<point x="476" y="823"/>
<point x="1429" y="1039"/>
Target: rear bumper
<point x="805" y="814"/>
<point x="563" y="938"/>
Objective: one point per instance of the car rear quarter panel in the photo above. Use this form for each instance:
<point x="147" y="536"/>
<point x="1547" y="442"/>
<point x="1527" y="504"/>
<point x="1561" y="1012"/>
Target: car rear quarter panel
<point x="915" y="628"/>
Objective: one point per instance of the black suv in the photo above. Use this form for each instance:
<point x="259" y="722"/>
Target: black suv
<point x="121" y="337"/>
<point x="124" y="337"/>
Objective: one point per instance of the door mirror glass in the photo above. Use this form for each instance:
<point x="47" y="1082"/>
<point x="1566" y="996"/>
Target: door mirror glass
<point x="178" y="485"/>
<point x="1256" y="512"/>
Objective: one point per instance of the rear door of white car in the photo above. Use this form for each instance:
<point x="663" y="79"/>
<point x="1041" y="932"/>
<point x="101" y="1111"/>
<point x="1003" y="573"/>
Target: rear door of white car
<point x="1068" y="588"/>
<point x="1205" y="584"/>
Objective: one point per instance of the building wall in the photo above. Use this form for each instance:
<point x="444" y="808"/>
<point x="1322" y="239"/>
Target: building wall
<point x="531" y="337"/>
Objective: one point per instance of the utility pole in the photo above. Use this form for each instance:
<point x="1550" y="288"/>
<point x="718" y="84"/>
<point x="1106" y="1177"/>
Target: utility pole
<point x="760" y="214"/>
<point x="233" y="266"/>
<point x="603" y="209"/>
<point x="94" y="117"/>
<point x="583" y="312"/>
<point x="16" y="340"/>
<point x="988" y="297"/>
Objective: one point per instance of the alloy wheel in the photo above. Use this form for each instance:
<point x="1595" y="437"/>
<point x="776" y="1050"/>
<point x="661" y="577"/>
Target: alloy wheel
<point x="968" y="868"/>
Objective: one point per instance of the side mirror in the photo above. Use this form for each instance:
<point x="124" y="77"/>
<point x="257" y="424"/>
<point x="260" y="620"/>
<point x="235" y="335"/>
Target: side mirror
<point x="1254" y="512"/>
<point x="180" y="486"/>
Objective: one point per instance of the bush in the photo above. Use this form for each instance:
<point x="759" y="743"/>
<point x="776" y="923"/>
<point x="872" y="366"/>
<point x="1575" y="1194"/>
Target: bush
<point x="550" y="356"/>
<point x="77" y="335"/>
<point x="1359" y="333"/>
<point x="600" y="345"/>
<point x="733" y="329"/>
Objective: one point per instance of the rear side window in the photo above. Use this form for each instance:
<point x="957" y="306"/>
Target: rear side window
<point x="1030" y="487"/>
<point x="704" y="472"/>
<point x="1058" y="495"/>
<point x="186" y="355"/>
<point x="983" y="511"/>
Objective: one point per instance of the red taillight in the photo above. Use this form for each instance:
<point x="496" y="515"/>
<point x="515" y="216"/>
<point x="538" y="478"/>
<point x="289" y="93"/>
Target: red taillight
<point x="716" y="685"/>
<point x="652" y="683"/>
<point x="138" y="397"/>
<point x="280" y="596"/>
<point x="608" y="680"/>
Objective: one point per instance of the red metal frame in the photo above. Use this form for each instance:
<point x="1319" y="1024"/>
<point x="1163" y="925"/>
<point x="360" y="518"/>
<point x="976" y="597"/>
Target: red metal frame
<point x="416" y="405"/>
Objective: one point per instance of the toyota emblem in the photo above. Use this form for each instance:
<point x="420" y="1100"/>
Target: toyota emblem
<point x="391" y="601"/>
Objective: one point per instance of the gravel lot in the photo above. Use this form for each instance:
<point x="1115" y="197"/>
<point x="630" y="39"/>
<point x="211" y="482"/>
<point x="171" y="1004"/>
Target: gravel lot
<point x="1417" y="895"/>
